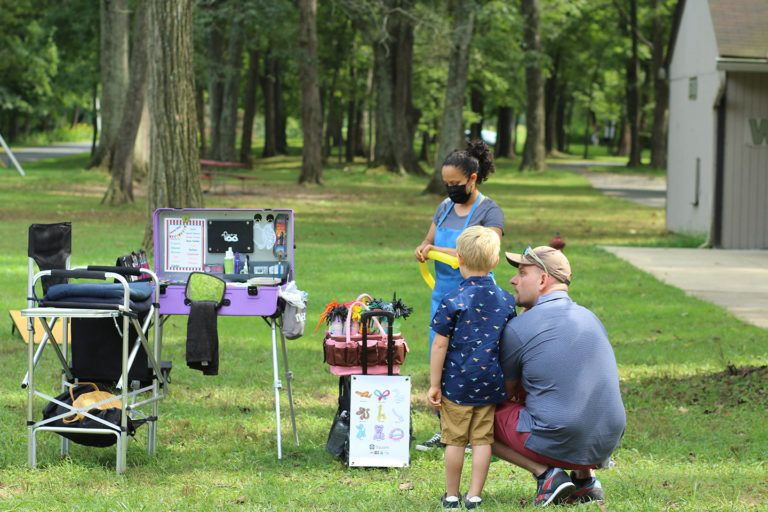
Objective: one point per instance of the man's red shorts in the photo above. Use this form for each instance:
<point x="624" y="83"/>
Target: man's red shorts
<point x="505" y="431"/>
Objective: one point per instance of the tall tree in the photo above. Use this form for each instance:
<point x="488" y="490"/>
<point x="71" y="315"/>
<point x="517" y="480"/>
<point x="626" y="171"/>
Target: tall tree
<point x="115" y="23"/>
<point x="311" y="117"/>
<point x="396" y="117"/>
<point x="174" y="165"/>
<point x="271" y="88"/>
<point x="633" y="89"/>
<point x="224" y="54"/>
<point x="660" y="58"/>
<point x="505" y="141"/>
<point x="120" y="189"/>
<point x="452" y="126"/>
<point x="250" y="106"/>
<point x="533" y="151"/>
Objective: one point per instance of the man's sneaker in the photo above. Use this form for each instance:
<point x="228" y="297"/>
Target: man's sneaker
<point x="554" y="486"/>
<point x="450" y="501"/>
<point x="473" y="502"/>
<point x="432" y="442"/>
<point x="587" y="490"/>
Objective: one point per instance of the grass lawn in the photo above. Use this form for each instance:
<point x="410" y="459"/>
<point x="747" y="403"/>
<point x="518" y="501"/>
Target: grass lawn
<point x="692" y="375"/>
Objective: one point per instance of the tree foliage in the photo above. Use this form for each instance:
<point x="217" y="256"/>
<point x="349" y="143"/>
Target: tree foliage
<point x="383" y="75"/>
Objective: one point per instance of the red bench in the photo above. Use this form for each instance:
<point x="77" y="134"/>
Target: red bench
<point x="213" y="175"/>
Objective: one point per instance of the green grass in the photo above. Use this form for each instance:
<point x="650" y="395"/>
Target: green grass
<point x="691" y="374"/>
<point x="78" y="133"/>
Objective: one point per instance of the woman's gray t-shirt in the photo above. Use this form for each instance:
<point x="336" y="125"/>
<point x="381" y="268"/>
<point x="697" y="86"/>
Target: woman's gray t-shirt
<point x="486" y="214"/>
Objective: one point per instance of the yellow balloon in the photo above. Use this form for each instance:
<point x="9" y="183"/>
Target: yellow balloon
<point x="452" y="261"/>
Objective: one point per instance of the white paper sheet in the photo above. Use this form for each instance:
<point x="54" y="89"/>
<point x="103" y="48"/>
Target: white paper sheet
<point x="184" y="245"/>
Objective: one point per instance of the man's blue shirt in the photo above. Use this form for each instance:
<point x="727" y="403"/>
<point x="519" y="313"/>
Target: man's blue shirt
<point x="561" y="354"/>
<point x="473" y="317"/>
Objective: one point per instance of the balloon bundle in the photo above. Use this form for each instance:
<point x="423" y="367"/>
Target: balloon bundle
<point x="333" y="311"/>
<point x="397" y="306"/>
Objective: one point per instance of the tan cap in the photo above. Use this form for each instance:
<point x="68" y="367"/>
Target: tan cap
<point x="553" y="260"/>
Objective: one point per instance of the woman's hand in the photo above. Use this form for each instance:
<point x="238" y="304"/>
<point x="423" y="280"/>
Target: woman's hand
<point x="422" y="251"/>
<point x="433" y="396"/>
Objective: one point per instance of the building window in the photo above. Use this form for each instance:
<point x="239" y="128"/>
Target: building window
<point x="693" y="88"/>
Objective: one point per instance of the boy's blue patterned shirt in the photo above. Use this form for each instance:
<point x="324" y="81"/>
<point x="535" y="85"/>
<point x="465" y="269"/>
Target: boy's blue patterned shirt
<point x="473" y="317"/>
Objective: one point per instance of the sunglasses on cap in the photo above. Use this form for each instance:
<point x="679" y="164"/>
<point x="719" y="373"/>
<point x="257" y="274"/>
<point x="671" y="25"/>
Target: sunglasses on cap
<point x="529" y="253"/>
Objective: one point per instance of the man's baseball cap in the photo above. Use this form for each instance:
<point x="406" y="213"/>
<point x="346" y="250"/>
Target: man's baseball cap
<point x="551" y="260"/>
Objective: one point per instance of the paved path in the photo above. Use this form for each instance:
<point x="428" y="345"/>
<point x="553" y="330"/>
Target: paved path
<point x="33" y="154"/>
<point x="734" y="279"/>
<point x="646" y="190"/>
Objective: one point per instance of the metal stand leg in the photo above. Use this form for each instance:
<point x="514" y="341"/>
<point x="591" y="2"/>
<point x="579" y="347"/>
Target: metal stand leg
<point x="288" y="379"/>
<point x="277" y="385"/>
<point x="31" y="448"/>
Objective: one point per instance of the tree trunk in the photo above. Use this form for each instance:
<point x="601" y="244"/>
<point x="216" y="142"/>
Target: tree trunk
<point x="311" y="117"/>
<point x="95" y="120"/>
<point x="215" y="56"/>
<point x="281" y="140"/>
<point x="633" y="92"/>
<point x="174" y="165"/>
<point x="396" y="117"/>
<point x="551" y="89"/>
<point x="560" y="122"/>
<point x="141" y="146"/>
<point x="115" y="20"/>
<point x="533" y="151"/>
<point x="477" y="106"/>
<point x="452" y="127"/>
<point x="120" y="189"/>
<point x="250" y="107"/>
<point x="270" y="107"/>
<point x="424" y="153"/>
<point x="504" y="146"/>
<point x="231" y="94"/>
<point x="661" y="91"/>
<point x="200" y="111"/>
<point x="352" y="128"/>
<point x="384" y="83"/>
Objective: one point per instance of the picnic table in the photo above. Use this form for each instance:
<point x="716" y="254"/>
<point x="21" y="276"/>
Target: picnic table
<point x="212" y="171"/>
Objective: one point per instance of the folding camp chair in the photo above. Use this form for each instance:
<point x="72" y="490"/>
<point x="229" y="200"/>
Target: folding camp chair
<point x="111" y="324"/>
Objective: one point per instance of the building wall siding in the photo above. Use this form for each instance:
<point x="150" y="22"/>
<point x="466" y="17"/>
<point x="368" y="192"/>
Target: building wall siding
<point x="745" y="186"/>
<point x="692" y="122"/>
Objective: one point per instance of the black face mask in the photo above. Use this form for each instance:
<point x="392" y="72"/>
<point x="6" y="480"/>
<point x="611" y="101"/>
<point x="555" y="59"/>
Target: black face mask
<point x="458" y="193"/>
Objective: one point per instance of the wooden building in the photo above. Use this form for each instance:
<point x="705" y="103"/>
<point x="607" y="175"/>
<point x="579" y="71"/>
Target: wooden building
<point x="717" y="162"/>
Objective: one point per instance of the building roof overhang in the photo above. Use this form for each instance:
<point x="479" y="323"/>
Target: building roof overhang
<point x="743" y="65"/>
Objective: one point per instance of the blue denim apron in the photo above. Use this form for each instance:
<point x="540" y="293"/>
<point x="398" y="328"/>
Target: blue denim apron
<point x="446" y="278"/>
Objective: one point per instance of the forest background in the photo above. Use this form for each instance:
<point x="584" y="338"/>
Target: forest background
<point x="397" y="83"/>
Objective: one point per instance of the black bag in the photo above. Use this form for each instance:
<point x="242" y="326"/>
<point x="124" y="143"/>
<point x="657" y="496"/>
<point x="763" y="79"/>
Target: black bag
<point x="112" y="415"/>
<point x="338" y="437"/>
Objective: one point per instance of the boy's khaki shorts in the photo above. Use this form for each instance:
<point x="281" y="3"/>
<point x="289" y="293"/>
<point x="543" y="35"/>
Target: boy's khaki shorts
<point x="466" y="424"/>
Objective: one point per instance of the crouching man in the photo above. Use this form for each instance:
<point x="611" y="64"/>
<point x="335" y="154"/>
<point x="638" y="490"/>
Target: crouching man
<point x="565" y="410"/>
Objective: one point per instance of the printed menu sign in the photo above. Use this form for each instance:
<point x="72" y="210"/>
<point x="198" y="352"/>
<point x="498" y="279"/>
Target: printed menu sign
<point x="380" y="421"/>
<point x="184" y="245"/>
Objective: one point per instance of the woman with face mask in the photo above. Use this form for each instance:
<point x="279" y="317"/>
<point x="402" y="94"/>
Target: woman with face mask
<point x="463" y="171"/>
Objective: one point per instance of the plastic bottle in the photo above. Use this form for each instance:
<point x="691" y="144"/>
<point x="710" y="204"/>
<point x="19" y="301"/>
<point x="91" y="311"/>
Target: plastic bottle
<point x="229" y="261"/>
<point x="236" y="269"/>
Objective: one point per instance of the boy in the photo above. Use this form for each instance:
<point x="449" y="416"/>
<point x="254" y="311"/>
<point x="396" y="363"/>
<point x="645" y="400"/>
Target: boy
<point x="465" y="375"/>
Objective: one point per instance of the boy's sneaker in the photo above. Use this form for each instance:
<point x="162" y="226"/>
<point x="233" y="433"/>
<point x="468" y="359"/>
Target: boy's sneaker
<point x="450" y="501"/>
<point x="587" y="490"/>
<point x="432" y="442"/>
<point x="554" y="486"/>
<point x="473" y="502"/>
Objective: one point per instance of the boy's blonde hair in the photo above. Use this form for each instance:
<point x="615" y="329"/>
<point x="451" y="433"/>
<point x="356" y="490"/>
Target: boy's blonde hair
<point x="478" y="247"/>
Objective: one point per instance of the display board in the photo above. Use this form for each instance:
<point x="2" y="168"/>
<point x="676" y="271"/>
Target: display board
<point x="197" y="240"/>
<point x="380" y="421"/>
